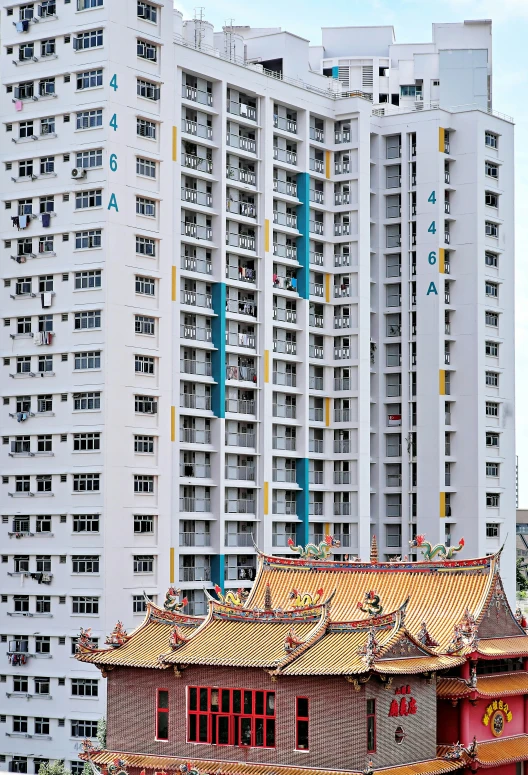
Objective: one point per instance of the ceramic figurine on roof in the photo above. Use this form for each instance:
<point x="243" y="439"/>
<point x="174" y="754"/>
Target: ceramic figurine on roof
<point x="189" y="769"/>
<point x="306" y="599"/>
<point x="425" y="638"/>
<point x="117" y="637"/>
<point x="371" y="649"/>
<point x="371" y="604"/>
<point x="177" y="638"/>
<point x="172" y="600"/>
<point x="84" y="641"/>
<point x="430" y="552"/>
<point x="291" y="640"/>
<point x="237" y="598"/>
<point x="455" y="752"/>
<point x="117" y="767"/>
<point x="465" y="634"/>
<point x="88" y="746"/>
<point x="315" y="552"/>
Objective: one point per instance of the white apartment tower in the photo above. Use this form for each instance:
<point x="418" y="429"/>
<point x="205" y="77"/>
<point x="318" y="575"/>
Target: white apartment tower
<point x="250" y="289"/>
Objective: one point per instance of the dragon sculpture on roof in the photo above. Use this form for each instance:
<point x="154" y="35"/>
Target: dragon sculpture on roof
<point x="441" y="551"/>
<point x="237" y="598"/>
<point x="315" y="551"/>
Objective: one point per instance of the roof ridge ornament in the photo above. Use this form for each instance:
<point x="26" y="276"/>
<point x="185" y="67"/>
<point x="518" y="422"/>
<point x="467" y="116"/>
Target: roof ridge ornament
<point x="236" y="599"/>
<point x="454" y="752"/>
<point x="292" y="641"/>
<point x="268" y="605"/>
<point x="374" y="557"/>
<point x="315" y="551"/>
<point x="371" y="649"/>
<point x="371" y="604"/>
<point x="465" y="634"/>
<point x="177" y="638"/>
<point x="84" y="640"/>
<point x="305" y="599"/>
<point x="118" y="636"/>
<point x="431" y="552"/>
<point x="425" y="637"/>
<point x="172" y="600"/>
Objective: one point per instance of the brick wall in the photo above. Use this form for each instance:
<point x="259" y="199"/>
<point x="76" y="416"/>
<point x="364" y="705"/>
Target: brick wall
<point x="337" y="718"/>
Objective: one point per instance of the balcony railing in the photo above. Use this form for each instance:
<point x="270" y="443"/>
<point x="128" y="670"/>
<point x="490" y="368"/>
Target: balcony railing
<point x="241" y="142"/>
<point x="244" y="241"/>
<point x="242" y="175"/>
<point x="316" y="289"/>
<point x="197" y="197"/>
<point x="285" y="219"/>
<point x="282" y="154"/>
<point x="240" y="473"/>
<point x="244" y="373"/>
<point x="195" y="539"/>
<point x="316" y="351"/>
<point x="247" y="209"/>
<point x="200" y="368"/>
<point x="317" y="134"/>
<point x="195" y="333"/>
<point x="193" y="264"/>
<point x="242" y="109"/>
<point x="284" y="443"/>
<point x="244" y="440"/>
<point x="288" y="348"/>
<point x="242" y="273"/>
<point x="239" y="506"/>
<point x="342" y="321"/>
<point x="284" y="475"/>
<point x="197" y="130"/>
<point x="197" y="163"/>
<point x="342" y="415"/>
<point x="316" y="383"/>
<point x="197" y="95"/>
<point x="195" y="505"/>
<point x="240" y="339"/>
<point x="285" y="315"/>
<point x="195" y="470"/>
<point x="285" y="251"/>
<point x="316" y="321"/>
<point x="341" y="167"/>
<point x="194" y="299"/>
<point x="191" y="401"/>
<point x="342" y="136"/>
<point x="239" y="406"/>
<point x="342" y="509"/>
<point x="195" y="574"/>
<point x="317" y="165"/>
<point x="342" y="446"/>
<point x="286" y="124"/>
<point x="341" y="229"/>
<point x="342" y="259"/>
<point x="341" y="291"/>
<point x="341" y="353"/>
<point x="239" y="539"/>
<point x="316" y="227"/>
<point x="284" y="187"/>
<point x="342" y="477"/>
<point x="285" y="378"/>
<point x="317" y="196"/>
<point x="241" y="307"/>
<point x="196" y="231"/>
<point x="342" y="383"/>
<point x="285" y="411"/>
<point x="285" y="283"/>
<point x="316" y="445"/>
<point x="316" y="413"/>
<point x="316" y="259"/>
<point x="195" y="436"/>
<point x="342" y="198"/>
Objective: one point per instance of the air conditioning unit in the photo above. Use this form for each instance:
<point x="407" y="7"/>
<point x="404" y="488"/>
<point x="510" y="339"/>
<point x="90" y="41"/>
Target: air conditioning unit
<point x="78" y="172"/>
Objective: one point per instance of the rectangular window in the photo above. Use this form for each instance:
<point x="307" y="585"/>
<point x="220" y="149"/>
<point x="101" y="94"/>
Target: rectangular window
<point x="85" y="605"/>
<point x="84" y="687"/>
<point x="492" y="439"/>
<point x="42" y="644"/>
<point x="85" y="564"/>
<point x="491" y="199"/>
<point x="88" y="239"/>
<point x="89" y="79"/>
<point x="492" y="500"/>
<point x="143" y="484"/>
<point x="492" y="319"/>
<point x="144" y="444"/>
<point x="148" y="90"/>
<point x="83" y="728"/>
<point x="146" y="167"/>
<point x="47" y="165"/>
<point x="145" y="285"/>
<point x="492" y="530"/>
<point x="89" y="119"/>
<point x="145" y="246"/>
<point x="146" y="128"/>
<point x="89" y="159"/>
<point x="492" y="229"/>
<point x="492" y="289"/>
<point x="492" y="469"/>
<point x="408" y="91"/>
<point x="139" y="604"/>
<point x="25" y="129"/>
<point x="42" y="726"/>
<point x="86" y="523"/>
<point x="86" y="442"/>
<point x="491" y="169"/>
<point x="20" y="724"/>
<point x="88" y="319"/>
<point x="144" y="364"/>
<point x="147" y="11"/>
<point x="91" y="39"/>
<point x="87" y="199"/>
<point x="491" y="140"/>
<point x="145" y="404"/>
<point x="143" y="563"/>
<point x="145" y="325"/>
<point x="302" y="720"/>
<point x="42" y="604"/>
<point x="86" y="482"/>
<point x="371" y="726"/>
<point x="47" y="125"/>
<point x="492" y="409"/>
<point x="491" y="259"/>
<point x="88" y="280"/>
<point x="143" y="524"/>
<point x="86" y="402"/>
<point x="492" y="379"/>
<point x="87" y="360"/>
<point x="146" y="207"/>
<point x="239" y="717"/>
<point x="162" y="715"/>
<point x="147" y="50"/>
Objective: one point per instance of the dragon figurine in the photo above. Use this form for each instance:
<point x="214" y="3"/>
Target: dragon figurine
<point x="118" y="767"/>
<point x="313" y="551"/>
<point x="117" y="637"/>
<point x="84" y="641"/>
<point x="371" y="648"/>
<point x="237" y="598"/>
<point x="371" y="604"/>
<point x="172" y="600"/>
<point x="292" y="640"/>
<point x="305" y="599"/>
<point x="441" y="551"/>
<point x="177" y="638"/>
<point x="188" y="769"/>
<point x="425" y="637"/>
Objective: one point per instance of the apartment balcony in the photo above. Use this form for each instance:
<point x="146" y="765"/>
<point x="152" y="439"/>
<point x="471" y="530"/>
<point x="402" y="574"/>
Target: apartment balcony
<point x="448" y="418"/>
<point x="393" y="391"/>
<point x="316" y="414"/>
<point x="242" y="109"/>
<point x="342" y="136"/>
<point x="240" y="473"/>
<point x="240" y="573"/>
<point x="284" y="443"/>
<point x="342" y="477"/>
<point x="343" y="538"/>
<point x="195" y="436"/>
<point x="285" y="251"/>
<point x="316" y="510"/>
<point x="394" y="450"/>
<point x="196" y="197"/>
<point x="197" y="130"/>
<point x="195" y="231"/>
<point x="239" y="406"/>
<point x="342" y="383"/>
<point x="287" y="411"/>
<point x="191" y="401"/>
<point x="342" y="198"/>
<point x="241" y="273"/>
<point x="195" y="539"/>
<point x="247" y="209"/>
<point x="342" y="446"/>
<point x="341" y="168"/>
<point x="447" y="267"/>
<point x="193" y="264"/>
<point x="239" y="506"/>
<point x="341" y="322"/>
<point x="242" y="373"/>
<point x="316" y="477"/>
<point x="316" y="351"/>
<point x="284" y="378"/>
<point x="284" y="475"/>
<point x="244" y="440"/>
<point x="394" y="480"/>
<point x="447" y="177"/>
<point x="195" y="574"/>
<point x="195" y="470"/>
<point x="315" y="383"/>
<point x="317" y="196"/>
<point x="447" y="208"/>
<point x="316" y="445"/>
<point x="239" y="339"/>
<point x="284" y="187"/>
<point x="285" y="283"/>
<point x="195" y="505"/>
<point x="281" y="154"/>
<point x="317" y="165"/>
<point x="447" y="358"/>
<point x="342" y="291"/>
<point x="317" y="134"/>
<point x="342" y="509"/>
<point x="285" y="508"/>
<point x="286" y="124"/>
<point x="241" y="307"/>
<point x="342" y="415"/>
<point x="317" y="289"/>
<point x="316" y="321"/>
<point x="342" y="229"/>
<point x="243" y="241"/>
<point x="447" y="237"/>
<point x="287" y="348"/>
<point x="197" y="95"/>
<point x="195" y="333"/>
<point x="241" y="142"/>
<point x="239" y="539"/>
<point x="316" y="227"/>
<point x="285" y="219"/>
<point x="197" y="163"/>
<point x="316" y="259"/>
<point x="194" y="299"/>
<point x="248" y="177"/>
<point x="200" y="368"/>
<point x="341" y="353"/>
<point x="447" y="297"/>
<point x="284" y="315"/>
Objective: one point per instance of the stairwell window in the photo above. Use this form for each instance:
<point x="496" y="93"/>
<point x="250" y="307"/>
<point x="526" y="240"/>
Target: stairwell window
<point x="148" y="90"/>
<point x="491" y="169"/>
<point x="145" y="207"/>
<point x="492" y="379"/>
<point x="145" y="404"/>
<point x="492" y="500"/>
<point x="145" y="285"/>
<point x="492" y="229"/>
<point x="146" y="128"/>
<point x="87" y="360"/>
<point x="147" y="11"/>
<point x="146" y="246"/>
<point x="91" y="39"/>
<point x="147" y="50"/>
<point x="491" y="140"/>
<point x="492" y="440"/>
<point x="84" y="5"/>
<point x="143" y="484"/>
<point x="492" y="469"/>
<point x="144" y="364"/>
<point x="89" y="119"/>
<point x="302" y="724"/>
<point x="492" y="409"/>
<point x="492" y="319"/>
<point x="146" y="167"/>
<point x="86" y="482"/>
<point x="90" y="79"/>
<point x="86" y="199"/>
<point x="492" y="289"/>
<point x="145" y="325"/>
<point x="492" y="531"/>
<point x="492" y="349"/>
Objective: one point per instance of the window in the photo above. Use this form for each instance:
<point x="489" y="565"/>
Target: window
<point x="146" y="167"/>
<point x="492" y="289"/>
<point x="492" y="229"/>
<point x="86" y="199"/>
<point x="23" y="364"/>
<point x="25" y="168"/>
<point x="44" y="524"/>
<point x="146" y="128"/>
<point x="492" y="409"/>
<point x="87" y="360"/>
<point x="147" y="50"/>
<point x="491" y="259"/>
<point x="84" y="687"/>
<point x="144" y="364"/>
<point x="45" y="283"/>
<point x="302" y="721"/>
<point x="85" y="605"/>
<point x="145" y="285"/>
<point x="143" y="483"/>
<point x="20" y="724"/>
<point x="23" y="325"/>
<point x="491" y="199"/>
<point x="88" y="280"/>
<point x="84" y="728"/>
<point x="21" y="563"/>
<point x="44" y="483"/>
<point x="88" y="239"/>
<point x="44" y="444"/>
<point x="145" y="207"/>
<point x="492" y="469"/>
<point x="89" y="39"/>
<point x="145" y="246"/>
<point x="46" y="204"/>
<point x="21" y="604"/>
<point x="86" y="442"/>
<point x="492" y="439"/>
<point x="42" y="604"/>
<point x="492" y="500"/>
<point x="20" y="684"/>
<point x="86" y="482"/>
<point x="25" y="129"/>
<point x="147" y="11"/>
<point x="491" y="140"/>
<point x="145" y="325"/>
<point x="86" y="523"/>
<point x="47" y="47"/>
<point x="47" y="125"/>
<point x="143" y="524"/>
<point x="144" y="444"/>
<point x="408" y="91"/>
<point x="42" y="644"/>
<point x="83" y="5"/>
<point x="85" y="402"/>
<point x="145" y="404"/>
<point x="139" y="604"/>
<point x="239" y="717"/>
<point x="88" y="564"/>
<point x="89" y="119"/>
<point x="371" y="726"/>
<point x="492" y="530"/>
<point x="46" y="86"/>
<point x="492" y="379"/>
<point x="147" y="89"/>
<point x="162" y="715"/>
<point x="88" y="159"/>
<point x="491" y="169"/>
<point x="393" y="535"/>
<point x="88" y="319"/>
<point x="492" y="319"/>
<point x="89" y="79"/>
<point x="143" y="563"/>
<point x="42" y="685"/>
<point x="47" y="165"/>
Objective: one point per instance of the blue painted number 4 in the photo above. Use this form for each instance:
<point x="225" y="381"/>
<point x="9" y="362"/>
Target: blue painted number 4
<point x="432" y="228"/>
<point x="432" y="196"/>
<point x="113" y="122"/>
<point x="113" y="82"/>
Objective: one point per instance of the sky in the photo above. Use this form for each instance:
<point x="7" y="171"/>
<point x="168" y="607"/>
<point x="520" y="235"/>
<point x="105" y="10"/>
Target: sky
<point x="412" y="20"/>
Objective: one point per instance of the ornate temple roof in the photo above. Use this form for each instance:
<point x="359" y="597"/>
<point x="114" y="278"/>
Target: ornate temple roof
<point x="500" y="685"/>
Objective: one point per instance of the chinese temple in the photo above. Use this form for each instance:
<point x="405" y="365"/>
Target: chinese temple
<point x="399" y="668"/>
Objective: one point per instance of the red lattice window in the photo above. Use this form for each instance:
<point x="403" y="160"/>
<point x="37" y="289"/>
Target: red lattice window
<point x="241" y="717"/>
<point x="162" y="715"/>
<point x="371" y="726"/>
<point x="302" y="724"/>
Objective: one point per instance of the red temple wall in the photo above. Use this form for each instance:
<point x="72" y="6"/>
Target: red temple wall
<point x="447" y="723"/>
<point x="513" y="727"/>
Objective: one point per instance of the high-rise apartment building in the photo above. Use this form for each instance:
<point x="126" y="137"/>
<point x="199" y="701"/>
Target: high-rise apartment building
<point x="251" y="290"/>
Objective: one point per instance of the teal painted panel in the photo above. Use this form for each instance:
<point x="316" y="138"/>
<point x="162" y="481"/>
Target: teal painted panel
<point x="303" y="242"/>
<point x="303" y="500"/>
<point x="218" y="356"/>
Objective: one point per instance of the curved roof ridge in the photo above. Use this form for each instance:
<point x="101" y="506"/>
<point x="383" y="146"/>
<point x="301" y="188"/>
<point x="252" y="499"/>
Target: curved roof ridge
<point x="315" y="635"/>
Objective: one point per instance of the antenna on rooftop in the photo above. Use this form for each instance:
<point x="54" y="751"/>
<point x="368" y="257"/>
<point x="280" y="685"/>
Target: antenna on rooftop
<point x="229" y="42"/>
<point x="198" y="25"/>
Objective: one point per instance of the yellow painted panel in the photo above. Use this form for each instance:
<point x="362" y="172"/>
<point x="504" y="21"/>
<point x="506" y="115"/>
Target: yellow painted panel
<point x="441" y="382"/>
<point x="174" y="143"/>
<point x="327" y="287"/>
<point x="441" y="260"/>
<point x="174" y="283"/>
<point x="266" y="365"/>
<point x="266" y="235"/>
<point x="327" y="412"/>
<point x="441" y="139"/>
<point x="266" y="494"/>
<point x="327" y="528"/>
<point x="442" y="505"/>
<point x="171" y="569"/>
<point x="328" y="163"/>
<point x="173" y="423"/>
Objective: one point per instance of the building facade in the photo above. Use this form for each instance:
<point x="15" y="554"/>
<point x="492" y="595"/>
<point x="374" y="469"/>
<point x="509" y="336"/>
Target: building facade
<point x="252" y="289"/>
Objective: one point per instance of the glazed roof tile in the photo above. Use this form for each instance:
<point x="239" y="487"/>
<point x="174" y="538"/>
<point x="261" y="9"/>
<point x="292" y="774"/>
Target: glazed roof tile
<point x="503" y="647"/>
<point x="500" y="685"/>
<point x="505" y="751"/>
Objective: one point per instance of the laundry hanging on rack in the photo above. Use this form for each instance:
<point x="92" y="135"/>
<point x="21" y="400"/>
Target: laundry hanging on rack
<point x="45" y="299"/>
<point x="16" y="221"/>
<point x="22" y="221"/>
<point x="19" y="105"/>
<point x="46" y="220"/>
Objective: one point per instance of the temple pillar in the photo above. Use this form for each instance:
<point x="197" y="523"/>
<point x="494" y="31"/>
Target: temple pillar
<point x="464" y="726"/>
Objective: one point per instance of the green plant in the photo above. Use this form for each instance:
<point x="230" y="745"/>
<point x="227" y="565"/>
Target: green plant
<point x="522" y="583"/>
<point x="101" y="731"/>
<point x="57" y="768"/>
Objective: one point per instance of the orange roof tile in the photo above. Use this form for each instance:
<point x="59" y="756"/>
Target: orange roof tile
<point x="451" y="688"/>
<point x="504" y="751"/>
<point x="500" y="685"/>
<point x="504" y="647"/>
